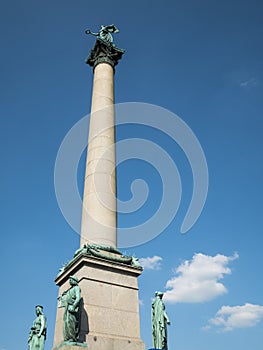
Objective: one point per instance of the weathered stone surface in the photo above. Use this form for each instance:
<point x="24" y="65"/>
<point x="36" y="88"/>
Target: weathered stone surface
<point x="99" y="343"/>
<point x="70" y="346"/>
<point x="99" y="218"/>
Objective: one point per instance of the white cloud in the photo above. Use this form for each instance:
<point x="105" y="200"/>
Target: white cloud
<point x="149" y="263"/>
<point x="231" y="317"/>
<point x="141" y="303"/>
<point x="197" y="280"/>
<point x="248" y="83"/>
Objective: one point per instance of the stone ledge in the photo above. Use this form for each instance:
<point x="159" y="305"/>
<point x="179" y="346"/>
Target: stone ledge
<point x="88" y="260"/>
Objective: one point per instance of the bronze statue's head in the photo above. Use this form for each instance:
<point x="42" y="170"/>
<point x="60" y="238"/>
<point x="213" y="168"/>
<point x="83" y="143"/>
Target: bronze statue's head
<point x="39" y="309"/>
<point x="159" y="294"/>
<point x="73" y="279"/>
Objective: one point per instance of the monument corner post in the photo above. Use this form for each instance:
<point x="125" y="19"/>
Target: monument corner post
<point x="108" y="280"/>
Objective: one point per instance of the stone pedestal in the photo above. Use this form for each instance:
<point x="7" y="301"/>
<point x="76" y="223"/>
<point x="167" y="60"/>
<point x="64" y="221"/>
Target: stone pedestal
<point x="110" y="305"/>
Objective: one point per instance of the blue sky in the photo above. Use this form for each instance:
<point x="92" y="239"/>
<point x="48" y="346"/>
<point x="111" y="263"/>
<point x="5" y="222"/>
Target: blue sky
<point x="202" y="60"/>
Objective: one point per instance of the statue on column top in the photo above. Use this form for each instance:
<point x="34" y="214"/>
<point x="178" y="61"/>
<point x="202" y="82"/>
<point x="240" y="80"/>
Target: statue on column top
<point x="104" y="50"/>
<point x="104" y="33"/>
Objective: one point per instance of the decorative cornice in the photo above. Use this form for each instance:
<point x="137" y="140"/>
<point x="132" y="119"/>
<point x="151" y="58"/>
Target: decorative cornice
<point x="102" y="252"/>
<point x="88" y="260"/>
<point x="104" y="53"/>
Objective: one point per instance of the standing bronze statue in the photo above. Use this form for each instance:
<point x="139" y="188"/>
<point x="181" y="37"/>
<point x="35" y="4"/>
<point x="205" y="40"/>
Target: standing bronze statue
<point x="160" y="321"/>
<point x="70" y="300"/>
<point x="37" y="335"/>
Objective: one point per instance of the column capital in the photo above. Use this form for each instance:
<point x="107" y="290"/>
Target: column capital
<point x="104" y="52"/>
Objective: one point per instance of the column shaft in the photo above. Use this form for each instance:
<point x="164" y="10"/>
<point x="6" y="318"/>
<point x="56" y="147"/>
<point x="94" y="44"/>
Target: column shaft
<point x="99" y="218"/>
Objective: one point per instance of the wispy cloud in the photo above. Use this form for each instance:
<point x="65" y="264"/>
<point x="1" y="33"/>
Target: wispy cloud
<point x="248" y="83"/>
<point x="151" y="263"/>
<point x="198" y="280"/>
<point x="232" y="317"/>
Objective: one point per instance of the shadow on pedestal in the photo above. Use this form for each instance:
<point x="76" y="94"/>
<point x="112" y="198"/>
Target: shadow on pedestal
<point x="84" y="323"/>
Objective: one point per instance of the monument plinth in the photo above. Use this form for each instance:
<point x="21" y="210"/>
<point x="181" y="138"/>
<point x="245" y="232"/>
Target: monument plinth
<point x="109" y="305"/>
<point x="110" y="311"/>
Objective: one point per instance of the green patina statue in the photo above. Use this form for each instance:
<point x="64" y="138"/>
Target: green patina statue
<point x="70" y="300"/>
<point x="104" y="33"/>
<point x="37" y="335"/>
<point x="104" y="50"/>
<point x="159" y="323"/>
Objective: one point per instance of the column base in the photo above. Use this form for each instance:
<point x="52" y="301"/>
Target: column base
<point x="109" y="307"/>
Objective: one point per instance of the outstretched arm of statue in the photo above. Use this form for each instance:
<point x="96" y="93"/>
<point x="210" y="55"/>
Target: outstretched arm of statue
<point x="88" y="31"/>
<point x="112" y="28"/>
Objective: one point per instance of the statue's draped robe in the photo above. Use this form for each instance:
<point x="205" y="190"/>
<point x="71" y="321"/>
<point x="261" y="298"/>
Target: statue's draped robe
<point x="71" y="319"/>
<point x="36" y="342"/>
<point x="159" y="324"/>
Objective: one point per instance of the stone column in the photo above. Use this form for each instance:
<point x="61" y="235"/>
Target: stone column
<point x="99" y="216"/>
<point x="109" y="308"/>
